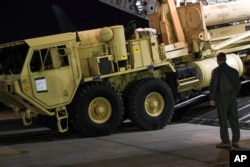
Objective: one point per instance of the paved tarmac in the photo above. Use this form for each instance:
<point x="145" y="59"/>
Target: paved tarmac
<point x="177" y="145"/>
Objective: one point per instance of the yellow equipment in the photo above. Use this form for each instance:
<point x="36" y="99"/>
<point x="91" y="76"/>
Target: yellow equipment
<point x="92" y="80"/>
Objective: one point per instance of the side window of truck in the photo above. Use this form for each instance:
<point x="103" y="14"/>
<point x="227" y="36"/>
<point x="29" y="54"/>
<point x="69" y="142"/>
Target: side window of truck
<point x="63" y="55"/>
<point x="49" y="58"/>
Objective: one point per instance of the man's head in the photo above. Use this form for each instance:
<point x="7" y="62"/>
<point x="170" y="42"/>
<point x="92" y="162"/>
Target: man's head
<point x="221" y="57"/>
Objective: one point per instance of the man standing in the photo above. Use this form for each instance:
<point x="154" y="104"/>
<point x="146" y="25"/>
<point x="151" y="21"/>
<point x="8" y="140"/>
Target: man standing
<point x="224" y="87"/>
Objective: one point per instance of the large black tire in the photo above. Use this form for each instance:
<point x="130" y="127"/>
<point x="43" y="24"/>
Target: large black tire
<point x="96" y="110"/>
<point x="150" y="104"/>
<point x="125" y="96"/>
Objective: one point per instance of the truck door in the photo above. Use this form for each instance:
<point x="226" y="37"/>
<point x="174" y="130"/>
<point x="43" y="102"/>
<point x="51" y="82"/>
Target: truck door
<point x="51" y="76"/>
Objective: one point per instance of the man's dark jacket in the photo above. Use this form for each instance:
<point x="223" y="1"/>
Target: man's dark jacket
<point x="224" y="79"/>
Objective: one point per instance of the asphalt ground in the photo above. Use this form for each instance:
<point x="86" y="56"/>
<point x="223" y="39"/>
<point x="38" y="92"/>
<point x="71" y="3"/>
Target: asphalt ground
<point x="180" y="144"/>
<point x="189" y="141"/>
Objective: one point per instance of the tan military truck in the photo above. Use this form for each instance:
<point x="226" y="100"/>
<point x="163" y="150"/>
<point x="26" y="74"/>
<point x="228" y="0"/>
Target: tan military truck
<point x="90" y="81"/>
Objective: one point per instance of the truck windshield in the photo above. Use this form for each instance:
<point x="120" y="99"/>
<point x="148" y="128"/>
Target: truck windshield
<point x="12" y="58"/>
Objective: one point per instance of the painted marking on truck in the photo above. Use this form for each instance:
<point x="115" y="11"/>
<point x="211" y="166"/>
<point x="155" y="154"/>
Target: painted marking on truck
<point x="41" y="85"/>
<point x="137" y="50"/>
<point x="124" y="57"/>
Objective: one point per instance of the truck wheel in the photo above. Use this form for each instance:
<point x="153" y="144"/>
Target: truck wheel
<point x="96" y="110"/>
<point x="150" y="104"/>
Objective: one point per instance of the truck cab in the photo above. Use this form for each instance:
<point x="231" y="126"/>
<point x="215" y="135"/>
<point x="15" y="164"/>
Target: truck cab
<point x="39" y="75"/>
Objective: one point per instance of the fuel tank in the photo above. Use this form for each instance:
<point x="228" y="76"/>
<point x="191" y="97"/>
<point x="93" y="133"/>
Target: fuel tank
<point x="206" y="66"/>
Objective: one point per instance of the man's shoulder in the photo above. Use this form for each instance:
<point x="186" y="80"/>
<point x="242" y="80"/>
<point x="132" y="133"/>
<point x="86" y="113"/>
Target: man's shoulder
<point x="226" y="66"/>
<point x="232" y="69"/>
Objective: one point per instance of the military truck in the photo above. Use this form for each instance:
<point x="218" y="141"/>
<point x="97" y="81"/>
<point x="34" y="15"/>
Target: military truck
<point x="91" y="81"/>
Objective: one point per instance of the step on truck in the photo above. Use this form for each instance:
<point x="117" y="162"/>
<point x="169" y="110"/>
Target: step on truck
<point x="91" y="81"/>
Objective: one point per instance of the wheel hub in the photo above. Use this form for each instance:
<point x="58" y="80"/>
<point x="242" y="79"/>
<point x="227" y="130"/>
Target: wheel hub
<point x="154" y="104"/>
<point x="100" y="110"/>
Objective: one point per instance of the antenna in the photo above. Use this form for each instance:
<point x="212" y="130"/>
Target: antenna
<point x="64" y="22"/>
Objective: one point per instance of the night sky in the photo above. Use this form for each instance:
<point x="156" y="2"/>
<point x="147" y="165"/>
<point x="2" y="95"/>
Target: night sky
<point x="22" y="19"/>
